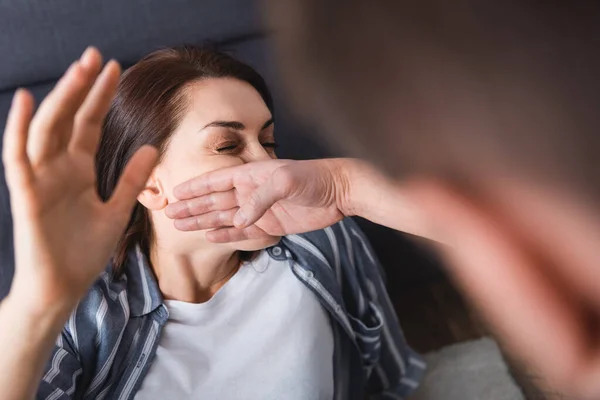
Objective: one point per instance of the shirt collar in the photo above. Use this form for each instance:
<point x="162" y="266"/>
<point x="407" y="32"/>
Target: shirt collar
<point x="142" y="289"/>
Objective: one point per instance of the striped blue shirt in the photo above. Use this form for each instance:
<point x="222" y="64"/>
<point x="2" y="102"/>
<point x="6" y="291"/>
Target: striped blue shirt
<point x="107" y="346"/>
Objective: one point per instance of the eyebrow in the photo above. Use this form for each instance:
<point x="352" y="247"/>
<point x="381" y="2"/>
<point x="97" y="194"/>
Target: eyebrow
<point x="235" y="125"/>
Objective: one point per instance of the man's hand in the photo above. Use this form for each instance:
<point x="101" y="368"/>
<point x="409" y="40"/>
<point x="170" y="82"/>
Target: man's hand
<point x="282" y="197"/>
<point x="275" y="197"/>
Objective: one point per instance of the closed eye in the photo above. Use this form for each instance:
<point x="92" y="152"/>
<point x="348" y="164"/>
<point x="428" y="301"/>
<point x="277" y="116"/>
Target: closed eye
<point x="227" y="148"/>
<point x="272" y="145"/>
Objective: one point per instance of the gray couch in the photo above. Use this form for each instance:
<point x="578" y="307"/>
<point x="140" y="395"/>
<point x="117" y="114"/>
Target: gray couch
<point x="40" y="38"/>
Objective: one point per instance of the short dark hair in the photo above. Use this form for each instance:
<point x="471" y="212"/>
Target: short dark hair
<point x="460" y="89"/>
<point x="146" y="110"/>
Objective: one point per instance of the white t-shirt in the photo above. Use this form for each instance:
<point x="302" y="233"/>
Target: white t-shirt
<point x="263" y="335"/>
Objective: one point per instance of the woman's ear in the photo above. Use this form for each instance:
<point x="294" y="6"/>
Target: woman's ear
<point x="153" y="197"/>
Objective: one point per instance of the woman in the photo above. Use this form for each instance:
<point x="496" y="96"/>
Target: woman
<point x="177" y="316"/>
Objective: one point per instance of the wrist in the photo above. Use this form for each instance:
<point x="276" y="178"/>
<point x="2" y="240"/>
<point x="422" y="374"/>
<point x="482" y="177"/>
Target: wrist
<point x="346" y="175"/>
<point x="365" y="192"/>
<point x="36" y="307"/>
<point x="30" y="333"/>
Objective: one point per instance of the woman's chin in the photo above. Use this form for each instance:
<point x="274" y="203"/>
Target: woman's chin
<point x="256" y="244"/>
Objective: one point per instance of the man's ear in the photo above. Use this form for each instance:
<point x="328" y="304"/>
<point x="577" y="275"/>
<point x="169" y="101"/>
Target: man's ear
<point x="153" y="197"/>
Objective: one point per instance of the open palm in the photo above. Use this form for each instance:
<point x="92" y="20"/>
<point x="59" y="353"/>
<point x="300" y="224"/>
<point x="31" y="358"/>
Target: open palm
<point x="64" y="233"/>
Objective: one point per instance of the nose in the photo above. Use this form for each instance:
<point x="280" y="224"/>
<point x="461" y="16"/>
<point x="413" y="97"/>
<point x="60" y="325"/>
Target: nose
<point x="256" y="152"/>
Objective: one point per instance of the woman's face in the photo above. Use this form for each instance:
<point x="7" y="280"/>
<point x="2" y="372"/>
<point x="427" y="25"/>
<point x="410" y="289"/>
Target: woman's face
<point x="225" y="124"/>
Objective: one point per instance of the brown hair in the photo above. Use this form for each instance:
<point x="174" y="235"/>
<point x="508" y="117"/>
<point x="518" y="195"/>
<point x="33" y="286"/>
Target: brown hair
<point x="147" y="108"/>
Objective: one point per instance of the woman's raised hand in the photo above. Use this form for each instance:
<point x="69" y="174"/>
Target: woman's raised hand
<point x="64" y="234"/>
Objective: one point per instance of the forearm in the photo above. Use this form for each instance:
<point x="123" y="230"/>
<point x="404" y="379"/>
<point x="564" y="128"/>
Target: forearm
<point x="369" y="194"/>
<point x="27" y="335"/>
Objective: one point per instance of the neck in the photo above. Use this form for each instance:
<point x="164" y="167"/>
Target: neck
<point x="193" y="277"/>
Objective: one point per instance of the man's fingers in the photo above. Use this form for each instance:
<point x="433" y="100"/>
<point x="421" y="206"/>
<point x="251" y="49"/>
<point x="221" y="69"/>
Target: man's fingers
<point x="226" y="179"/>
<point x="227" y="235"/>
<point x="515" y="291"/>
<point x="211" y="220"/>
<point x="133" y="180"/>
<point x="215" y="181"/>
<point x="53" y="123"/>
<point x="217" y="201"/>
<point x="90" y="117"/>
<point x="262" y="199"/>
<point x="16" y="161"/>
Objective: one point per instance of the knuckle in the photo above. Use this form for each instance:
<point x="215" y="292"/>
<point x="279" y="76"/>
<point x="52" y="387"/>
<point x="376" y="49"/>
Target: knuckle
<point x="226" y="217"/>
<point x="199" y="222"/>
<point x="254" y="199"/>
<point x="88" y="120"/>
<point x="183" y="210"/>
<point x="284" y="178"/>
<point x="196" y="186"/>
<point x="220" y="218"/>
<point x="209" y="201"/>
<point x="190" y="207"/>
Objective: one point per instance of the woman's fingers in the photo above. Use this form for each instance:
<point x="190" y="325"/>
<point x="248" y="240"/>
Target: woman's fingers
<point x="217" y="201"/>
<point x="228" y="235"/>
<point x="90" y="117"/>
<point x="210" y="220"/>
<point x="16" y="161"/>
<point x="132" y="181"/>
<point x="53" y="123"/>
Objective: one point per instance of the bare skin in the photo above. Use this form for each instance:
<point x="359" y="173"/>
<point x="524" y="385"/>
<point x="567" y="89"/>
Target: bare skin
<point x="283" y="197"/>
<point x="50" y="173"/>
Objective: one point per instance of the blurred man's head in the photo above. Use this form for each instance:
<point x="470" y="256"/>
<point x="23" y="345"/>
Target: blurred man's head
<point x="448" y="86"/>
<point x="494" y="107"/>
